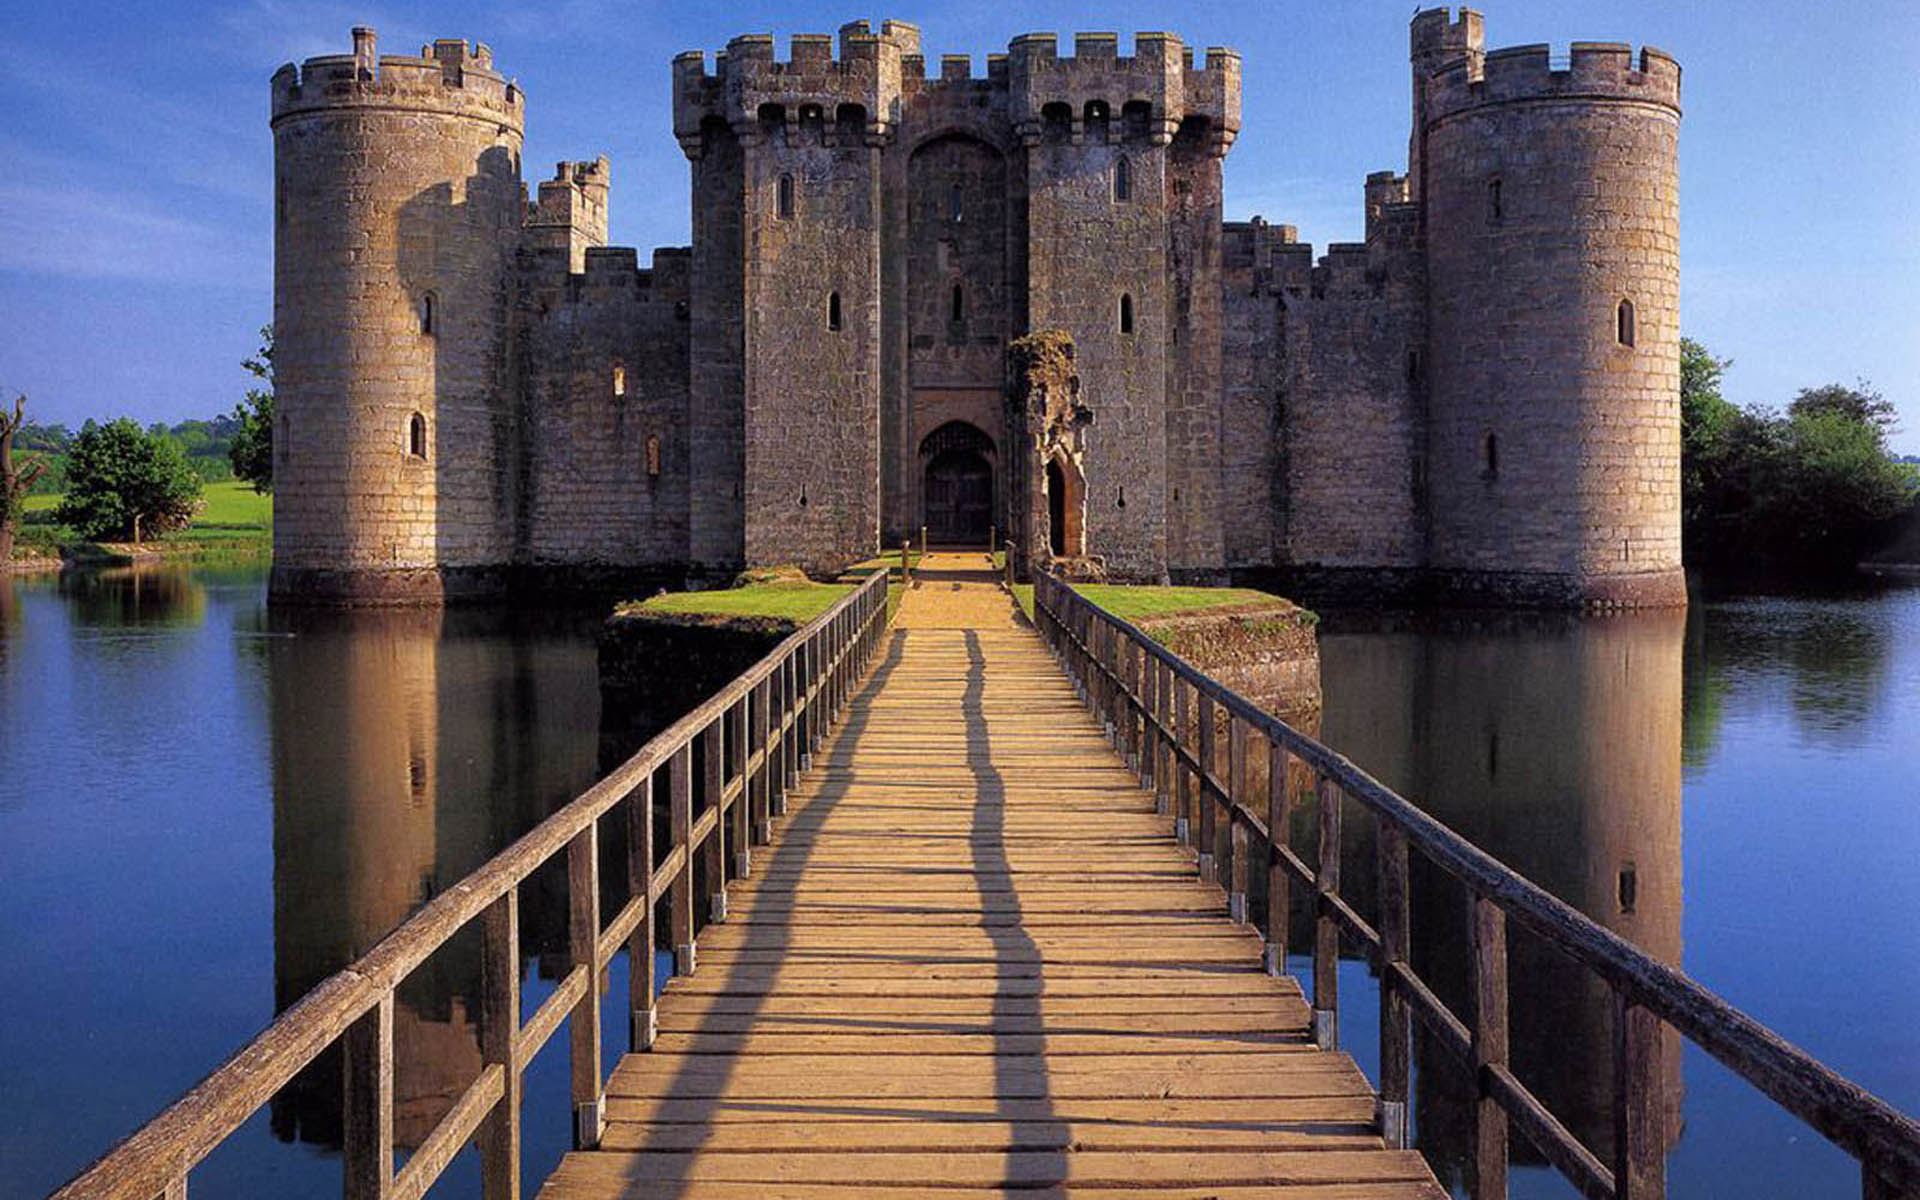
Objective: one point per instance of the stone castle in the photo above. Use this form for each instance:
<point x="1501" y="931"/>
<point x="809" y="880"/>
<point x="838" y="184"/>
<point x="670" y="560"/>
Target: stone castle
<point x="976" y="303"/>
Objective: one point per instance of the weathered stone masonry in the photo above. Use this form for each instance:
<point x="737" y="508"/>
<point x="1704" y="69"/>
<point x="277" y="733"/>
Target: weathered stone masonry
<point x="1479" y="402"/>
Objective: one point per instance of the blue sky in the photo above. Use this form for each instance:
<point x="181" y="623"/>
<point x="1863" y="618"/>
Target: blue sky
<point x="136" y="171"/>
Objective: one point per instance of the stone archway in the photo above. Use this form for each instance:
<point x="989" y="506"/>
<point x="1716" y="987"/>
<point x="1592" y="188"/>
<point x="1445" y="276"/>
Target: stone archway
<point x="957" y="485"/>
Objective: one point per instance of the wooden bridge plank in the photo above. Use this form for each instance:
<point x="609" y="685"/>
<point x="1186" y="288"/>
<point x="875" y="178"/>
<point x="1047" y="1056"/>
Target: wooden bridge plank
<point x="974" y="957"/>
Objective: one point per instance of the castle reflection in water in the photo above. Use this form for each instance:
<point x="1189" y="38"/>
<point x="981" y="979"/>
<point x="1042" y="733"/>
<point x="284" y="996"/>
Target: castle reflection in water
<point x="410" y="746"/>
<point x="1553" y="743"/>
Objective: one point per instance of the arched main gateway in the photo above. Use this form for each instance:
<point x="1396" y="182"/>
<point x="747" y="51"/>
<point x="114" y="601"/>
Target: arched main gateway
<point x="957" y="485"/>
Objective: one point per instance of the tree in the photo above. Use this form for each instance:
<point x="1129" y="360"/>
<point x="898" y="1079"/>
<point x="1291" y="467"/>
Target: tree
<point x="123" y="482"/>
<point x="15" y="477"/>
<point x="1860" y="405"/>
<point x="252" y="450"/>
<point x="1708" y="424"/>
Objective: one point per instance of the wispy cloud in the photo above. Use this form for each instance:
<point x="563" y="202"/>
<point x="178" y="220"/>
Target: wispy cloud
<point x="79" y="232"/>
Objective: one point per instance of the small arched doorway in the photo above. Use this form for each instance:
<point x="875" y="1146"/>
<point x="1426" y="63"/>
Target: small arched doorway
<point x="957" y="489"/>
<point x="1066" y="535"/>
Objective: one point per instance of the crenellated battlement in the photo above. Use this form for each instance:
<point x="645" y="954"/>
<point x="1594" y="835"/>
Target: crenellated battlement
<point x="1155" y="88"/>
<point x="1158" y="81"/>
<point x="1590" y="71"/>
<point x="748" y="86"/>
<point x="450" y="76"/>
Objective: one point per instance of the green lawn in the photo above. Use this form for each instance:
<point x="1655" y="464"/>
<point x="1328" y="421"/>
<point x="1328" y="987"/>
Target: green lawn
<point x="788" y="600"/>
<point x="234" y="519"/>
<point x="1131" y="603"/>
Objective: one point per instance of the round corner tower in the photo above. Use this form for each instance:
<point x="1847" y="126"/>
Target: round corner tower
<point x="1549" y="190"/>
<point x="397" y="205"/>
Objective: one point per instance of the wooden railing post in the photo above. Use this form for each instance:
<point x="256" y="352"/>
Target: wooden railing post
<point x="713" y="758"/>
<point x="1279" y="885"/>
<point x="1639" y="1164"/>
<point x="680" y="891"/>
<point x="760" y="809"/>
<point x="1208" y="834"/>
<point x="367" y="1104"/>
<point x="1236" y="828"/>
<point x="1487" y="941"/>
<point x="1149" y="728"/>
<point x="643" y="1023"/>
<point x="1326" y="927"/>
<point x="583" y="1024"/>
<point x="1162" y="741"/>
<point x="1182" y="773"/>
<point x="740" y="836"/>
<point x="499" y="1025"/>
<point x="789" y="760"/>
<point x="1396" y="1018"/>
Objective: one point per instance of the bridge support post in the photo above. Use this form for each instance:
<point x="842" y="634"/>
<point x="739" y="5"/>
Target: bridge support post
<point x="1204" y="796"/>
<point x="1326" y="927"/>
<point x="1396" y="1018"/>
<point x="1639" y="1165"/>
<point x="583" y="954"/>
<point x="680" y="891"/>
<point x="1487" y="936"/>
<point x="499" y="1024"/>
<point x="1279" y="885"/>
<point x="642" y="1021"/>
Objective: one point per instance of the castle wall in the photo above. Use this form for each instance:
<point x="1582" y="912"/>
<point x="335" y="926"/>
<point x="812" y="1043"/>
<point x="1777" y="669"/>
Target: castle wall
<point x="717" y="349"/>
<point x="1550" y="200"/>
<point x="1196" y="549"/>
<point x="1253" y="493"/>
<point x="605" y="390"/>
<point x="958" y="232"/>
<point x="397" y="187"/>
<point x="813" y="367"/>
<point x="1452" y="402"/>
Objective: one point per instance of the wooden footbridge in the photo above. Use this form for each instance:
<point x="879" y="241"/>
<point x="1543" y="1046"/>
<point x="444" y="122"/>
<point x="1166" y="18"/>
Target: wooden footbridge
<point x="978" y="924"/>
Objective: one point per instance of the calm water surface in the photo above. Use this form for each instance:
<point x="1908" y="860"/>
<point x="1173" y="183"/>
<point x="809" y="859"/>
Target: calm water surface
<point x="206" y="807"/>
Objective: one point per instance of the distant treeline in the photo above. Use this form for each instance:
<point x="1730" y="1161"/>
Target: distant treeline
<point x="205" y="443"/>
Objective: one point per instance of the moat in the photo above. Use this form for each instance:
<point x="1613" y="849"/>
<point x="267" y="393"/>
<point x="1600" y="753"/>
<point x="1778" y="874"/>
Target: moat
<point x="206" y="806"/>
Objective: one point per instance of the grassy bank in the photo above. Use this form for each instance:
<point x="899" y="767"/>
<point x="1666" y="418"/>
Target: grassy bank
<point x="1136" y="602"/>
<point x="234" y="521"/>
<point x="795" y="600"/>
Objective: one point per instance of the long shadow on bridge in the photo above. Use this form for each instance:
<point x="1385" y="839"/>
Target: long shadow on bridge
<point x="1022" y="1093"/>
<point x="687" y="1108"/>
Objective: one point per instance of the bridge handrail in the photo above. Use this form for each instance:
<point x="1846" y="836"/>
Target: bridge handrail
<point x="755" y="736"/>
<point x="1145" y="693"/>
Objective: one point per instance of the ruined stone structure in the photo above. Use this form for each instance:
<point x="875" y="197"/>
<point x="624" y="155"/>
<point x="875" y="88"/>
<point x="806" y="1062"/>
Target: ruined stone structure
<point x="1478" y="402"/>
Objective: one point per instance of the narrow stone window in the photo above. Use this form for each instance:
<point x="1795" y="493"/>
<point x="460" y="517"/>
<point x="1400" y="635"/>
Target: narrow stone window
<point x="959" y="305"/>
<point x="619" y="379"/>
<point x="653" y="456"/>
<point x="1126" y="313"/>
<point x="1629" y="887"/>
<point x="785" y="196"/>
<point x="1623" y="323"/>
<point x="417" y="436"/>
<point x="956" y="204"/>
<point x="1123" y="180"/>
<point x="1490" y="456"/>
<point x="1496" y="211"/>
<point x="1413" y="366"/>
<point x="833" y="311"/>
<point x="427" y="314"/>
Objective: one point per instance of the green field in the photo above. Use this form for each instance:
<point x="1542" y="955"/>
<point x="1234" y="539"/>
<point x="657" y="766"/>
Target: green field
<point x="233" y="520"/>
<point x="798" y="601"/>
<point x="1131" y="602"/>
